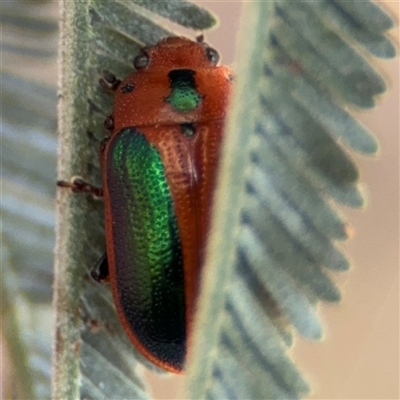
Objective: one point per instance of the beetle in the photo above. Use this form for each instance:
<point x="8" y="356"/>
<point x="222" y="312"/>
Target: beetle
<point x="158" y="174"/>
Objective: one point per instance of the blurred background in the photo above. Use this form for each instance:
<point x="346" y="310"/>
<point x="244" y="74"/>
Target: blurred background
<point x="359" y="356"/>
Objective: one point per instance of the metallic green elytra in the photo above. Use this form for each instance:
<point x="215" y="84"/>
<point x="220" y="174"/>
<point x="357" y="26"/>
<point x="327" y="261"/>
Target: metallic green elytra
<point x="184" y="96"/>
<point x="148" y="255"/>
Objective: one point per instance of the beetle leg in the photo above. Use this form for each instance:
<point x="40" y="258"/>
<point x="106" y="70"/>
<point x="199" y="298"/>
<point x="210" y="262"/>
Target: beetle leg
<point x="109" y="81"/>
<point x="78" y="185"/>
<point x="99" y="271"/>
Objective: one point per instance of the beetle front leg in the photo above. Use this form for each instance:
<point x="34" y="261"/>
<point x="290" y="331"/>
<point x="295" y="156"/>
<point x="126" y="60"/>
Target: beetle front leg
<point x="78" y="185"/>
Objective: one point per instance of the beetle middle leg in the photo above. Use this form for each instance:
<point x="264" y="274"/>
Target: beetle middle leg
<point x="78" y="185"/>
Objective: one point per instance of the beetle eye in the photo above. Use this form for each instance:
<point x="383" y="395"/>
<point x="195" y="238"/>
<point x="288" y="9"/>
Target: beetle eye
<point x="141" y="60"/>
<point x="212" y="55"/>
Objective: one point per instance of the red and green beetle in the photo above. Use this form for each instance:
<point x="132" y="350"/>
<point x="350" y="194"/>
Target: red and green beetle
<point x="158" y="169"/>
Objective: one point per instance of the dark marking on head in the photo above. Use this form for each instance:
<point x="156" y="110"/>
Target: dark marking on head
<point x="182" y="78"/>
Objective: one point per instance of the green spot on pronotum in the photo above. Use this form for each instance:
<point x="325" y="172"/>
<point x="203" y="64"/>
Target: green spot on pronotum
<point x="184" y="96"/>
